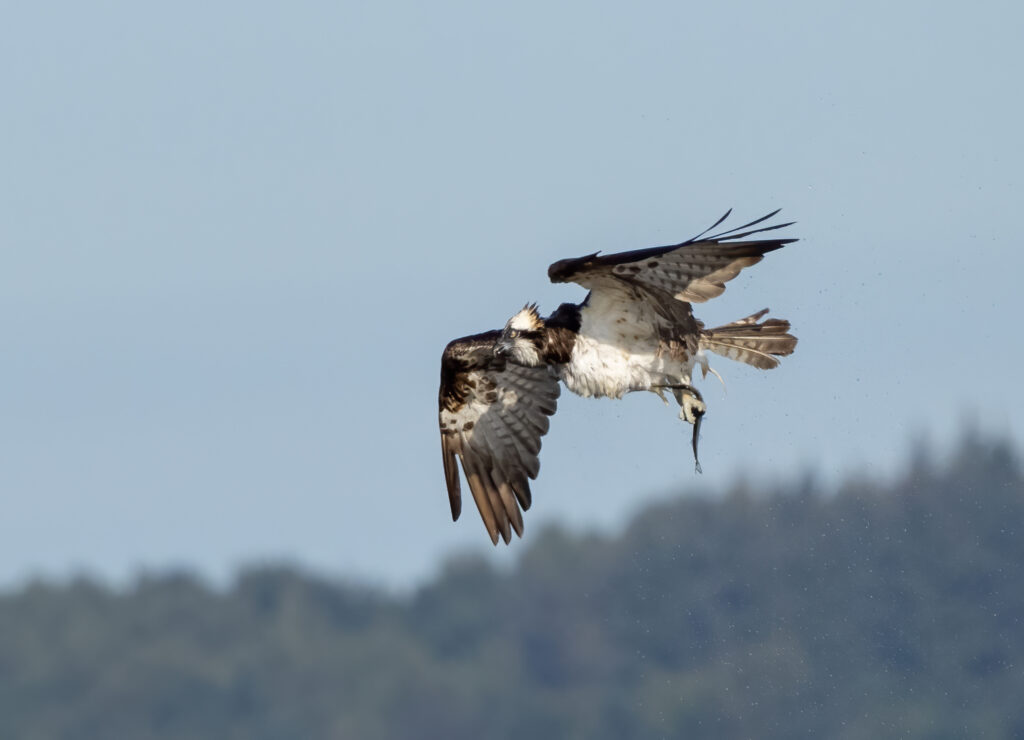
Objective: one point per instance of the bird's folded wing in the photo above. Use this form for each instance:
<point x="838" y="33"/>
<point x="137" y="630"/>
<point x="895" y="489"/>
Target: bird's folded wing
<point x="492" y="416"/>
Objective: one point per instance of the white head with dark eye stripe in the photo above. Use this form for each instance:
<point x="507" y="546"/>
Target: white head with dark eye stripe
<point x="522" y="338"/>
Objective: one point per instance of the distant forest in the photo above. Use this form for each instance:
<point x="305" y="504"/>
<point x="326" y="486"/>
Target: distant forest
<point x="880" y="610"/>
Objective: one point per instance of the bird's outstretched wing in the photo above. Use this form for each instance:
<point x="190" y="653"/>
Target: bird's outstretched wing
<point x="492" y="415"/>
<point x="693" y="271"/>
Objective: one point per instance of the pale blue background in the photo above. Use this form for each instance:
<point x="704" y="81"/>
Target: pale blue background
<point x="234" y="238"/>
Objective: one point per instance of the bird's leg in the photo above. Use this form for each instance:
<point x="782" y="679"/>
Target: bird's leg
<point x="691" y="402"/>
<point x="691" y="409"/>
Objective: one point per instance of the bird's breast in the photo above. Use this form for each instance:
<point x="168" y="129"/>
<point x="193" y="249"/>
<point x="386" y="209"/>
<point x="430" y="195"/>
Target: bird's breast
<point x="611" y="356"/>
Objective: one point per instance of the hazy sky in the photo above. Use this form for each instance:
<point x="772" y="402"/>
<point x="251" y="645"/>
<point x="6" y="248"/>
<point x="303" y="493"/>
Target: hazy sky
<point x="235" y="237"/>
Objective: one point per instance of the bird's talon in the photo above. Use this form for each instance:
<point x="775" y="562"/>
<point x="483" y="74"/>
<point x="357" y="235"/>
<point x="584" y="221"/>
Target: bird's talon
<point x="691" y="408"/>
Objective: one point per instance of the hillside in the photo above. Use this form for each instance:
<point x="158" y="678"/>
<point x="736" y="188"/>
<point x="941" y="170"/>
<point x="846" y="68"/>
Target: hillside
<point x="880" y="610"/>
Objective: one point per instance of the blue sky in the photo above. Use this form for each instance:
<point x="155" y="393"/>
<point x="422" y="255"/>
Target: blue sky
<point x="234" y="239"/>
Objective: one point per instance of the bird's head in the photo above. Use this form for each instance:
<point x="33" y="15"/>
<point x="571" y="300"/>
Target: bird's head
<point x="522" y="338"/>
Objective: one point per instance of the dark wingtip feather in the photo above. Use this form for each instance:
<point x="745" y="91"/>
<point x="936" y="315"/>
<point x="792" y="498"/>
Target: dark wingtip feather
<point x="451" y="476"/>
<point x="732" y="234"/>
<point x="748" y="225"/>
<point x="712" y="226"/>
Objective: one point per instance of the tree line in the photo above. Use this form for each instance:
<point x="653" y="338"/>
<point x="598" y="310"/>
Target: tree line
<point x="890" y="609"/>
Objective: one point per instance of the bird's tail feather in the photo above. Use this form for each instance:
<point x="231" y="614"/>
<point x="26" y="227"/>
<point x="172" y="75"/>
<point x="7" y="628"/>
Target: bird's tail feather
<point x="749" y="340"/>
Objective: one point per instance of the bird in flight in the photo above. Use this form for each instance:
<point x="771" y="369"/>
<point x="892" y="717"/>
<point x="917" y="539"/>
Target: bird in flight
<point x="634" y="331"/>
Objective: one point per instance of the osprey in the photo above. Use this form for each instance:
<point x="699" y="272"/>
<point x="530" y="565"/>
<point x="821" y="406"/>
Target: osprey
<point x="634" y="331"/>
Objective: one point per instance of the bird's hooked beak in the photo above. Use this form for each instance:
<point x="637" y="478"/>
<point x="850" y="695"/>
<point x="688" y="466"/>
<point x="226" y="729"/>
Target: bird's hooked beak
<point x="502" y="348"/>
